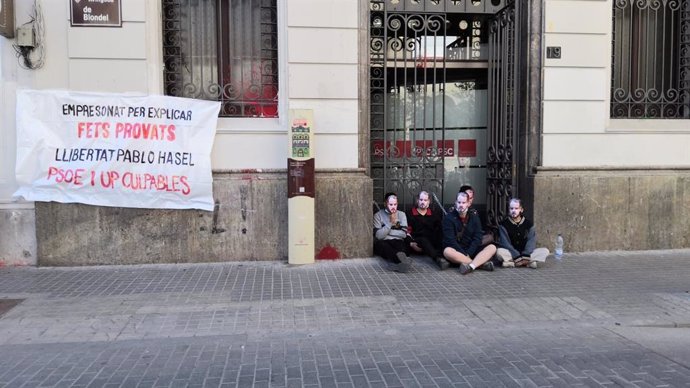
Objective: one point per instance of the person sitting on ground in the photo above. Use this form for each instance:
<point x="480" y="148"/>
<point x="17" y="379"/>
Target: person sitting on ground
<point x="425" y="229"/>
<point x="487" y="237"/>
<point x="470" y="197"/>
<point x="462" y="238"/>
<point x="390" y="234"/>
<point x="518" y="239"/>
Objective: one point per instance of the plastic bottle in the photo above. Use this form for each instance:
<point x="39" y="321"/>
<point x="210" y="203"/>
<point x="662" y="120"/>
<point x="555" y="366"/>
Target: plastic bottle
<point x="558" y="252"/>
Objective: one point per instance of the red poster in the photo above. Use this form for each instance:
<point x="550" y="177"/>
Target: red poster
<point x="467" y="148"/>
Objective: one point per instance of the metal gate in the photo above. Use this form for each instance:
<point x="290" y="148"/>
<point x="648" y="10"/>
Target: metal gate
<point x="505" y="104"/>
<point x="416" y="48"/>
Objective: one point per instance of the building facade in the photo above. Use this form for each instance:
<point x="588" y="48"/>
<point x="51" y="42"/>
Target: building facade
<point x="556" y="102"/>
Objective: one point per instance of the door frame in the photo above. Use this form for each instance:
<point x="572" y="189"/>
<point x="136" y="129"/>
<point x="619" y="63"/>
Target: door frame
<point x="528" y="142"/>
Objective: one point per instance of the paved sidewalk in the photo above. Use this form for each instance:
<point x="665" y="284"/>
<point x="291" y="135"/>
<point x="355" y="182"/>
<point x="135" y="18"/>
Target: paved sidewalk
<point x="597" y="319"/>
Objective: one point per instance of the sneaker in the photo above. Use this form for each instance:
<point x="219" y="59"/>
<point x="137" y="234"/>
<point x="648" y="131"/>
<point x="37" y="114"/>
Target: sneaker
<point x="521" y="262"/>
<point x="405" y="263"/>
<point x="465" y="269"/>
<point x="488" y="266"/>
<point x="533" y="265"/>
<point x="508" y="264"/>
<point x="539" y="255"/>
<point x="402" y="257"/>
<point x="401" y="267"/>
<point x="443" y="264"/>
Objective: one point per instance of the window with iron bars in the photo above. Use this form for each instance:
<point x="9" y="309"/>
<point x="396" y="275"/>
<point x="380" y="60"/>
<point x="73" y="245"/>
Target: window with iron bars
<point x="651" y="59"/>
<point x="223" y="50"/>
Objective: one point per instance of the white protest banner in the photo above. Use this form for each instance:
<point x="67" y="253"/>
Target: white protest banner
<point x="115" y="149"/>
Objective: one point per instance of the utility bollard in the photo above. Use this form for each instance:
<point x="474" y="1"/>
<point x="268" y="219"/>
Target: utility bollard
<point x="301" y="187"/>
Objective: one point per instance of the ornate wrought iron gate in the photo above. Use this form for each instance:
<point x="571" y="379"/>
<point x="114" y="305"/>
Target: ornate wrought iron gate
<point x="504" y="109"/>
<point x="400" y="122"/>
<point x="417" y="48"/>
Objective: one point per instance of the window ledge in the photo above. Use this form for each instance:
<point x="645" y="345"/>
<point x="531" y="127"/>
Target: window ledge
<point x="250" y="124"/>
<point x="8" y="204"/>
<point x="648" y="126"/>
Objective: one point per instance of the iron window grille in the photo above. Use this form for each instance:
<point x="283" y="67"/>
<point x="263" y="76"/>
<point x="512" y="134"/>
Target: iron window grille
<point x="223" y="50"/>
<point x="651" y="59"/>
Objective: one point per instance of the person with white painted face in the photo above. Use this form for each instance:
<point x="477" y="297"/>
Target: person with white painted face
<point x="462" y="238"/>
<point x="390" y="235"/>
<point x="487" y="236"/>
<point x="518" y="239"/>
<point x="425" y="229"/>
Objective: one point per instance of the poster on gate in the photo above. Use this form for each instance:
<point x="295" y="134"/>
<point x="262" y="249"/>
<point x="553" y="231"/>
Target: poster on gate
<point x="115" y="149"/>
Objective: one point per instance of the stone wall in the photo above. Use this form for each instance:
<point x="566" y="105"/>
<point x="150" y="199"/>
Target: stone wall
<point x="249" y="223"/>
<point x="17" y="241"/>
<point x="613" y="209"/>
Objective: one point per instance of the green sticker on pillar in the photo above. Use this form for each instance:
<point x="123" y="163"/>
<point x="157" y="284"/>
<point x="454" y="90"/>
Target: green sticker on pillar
<point x="301" y="134"/>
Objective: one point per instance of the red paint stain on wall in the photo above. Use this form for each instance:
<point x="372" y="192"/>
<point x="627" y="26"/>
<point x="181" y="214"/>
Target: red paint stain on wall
<point x="328" y="253"/>
<point x="5" y="263"/>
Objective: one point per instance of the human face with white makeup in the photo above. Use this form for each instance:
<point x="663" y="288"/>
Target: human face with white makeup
<point x="392" y="204"/>
<point x="462" y="203"/>
<point x="515" y="210"/>
<point x="423" y="201"/>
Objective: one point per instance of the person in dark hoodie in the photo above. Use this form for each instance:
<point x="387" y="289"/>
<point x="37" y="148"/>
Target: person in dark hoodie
<point x="462" y="238"/>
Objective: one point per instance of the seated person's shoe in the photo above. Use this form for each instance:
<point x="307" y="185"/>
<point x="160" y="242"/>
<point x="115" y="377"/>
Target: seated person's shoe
<point x="401" y="267"/>
<point x="508" y="264"/>
<point x="404" y="265"/>
<point x="488" y="266"/>
<point x="533" y="265"/>
<point x="442" y="263"/>
<point x="465" y="269"/>
<point x="522" y="262"/>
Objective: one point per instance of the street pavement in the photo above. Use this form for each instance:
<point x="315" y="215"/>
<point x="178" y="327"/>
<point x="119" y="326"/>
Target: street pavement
<point x="603" y="319"/>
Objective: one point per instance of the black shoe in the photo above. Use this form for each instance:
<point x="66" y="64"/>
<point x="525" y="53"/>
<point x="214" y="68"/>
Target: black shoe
<point x="405" y="263"/>
<point x="488" y="266"/>
<point x="465" y="269"/>
<point x="403" y="258"/>
<point x="442" y="263"/>
<point x="401" y="267"/>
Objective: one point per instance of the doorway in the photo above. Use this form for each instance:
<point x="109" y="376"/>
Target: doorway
<point x="430" y="99"/>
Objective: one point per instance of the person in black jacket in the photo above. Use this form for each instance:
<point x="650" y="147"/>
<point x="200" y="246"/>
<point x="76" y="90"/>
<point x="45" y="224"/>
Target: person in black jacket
<point x="487" y="236"/>
<point x="425" y="229"/>
<point x="462" y="238"/>
<point x="518" y="239"/>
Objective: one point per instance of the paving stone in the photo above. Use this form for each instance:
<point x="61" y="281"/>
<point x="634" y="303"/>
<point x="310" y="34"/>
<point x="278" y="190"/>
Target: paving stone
<point x="346" y="323"/>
